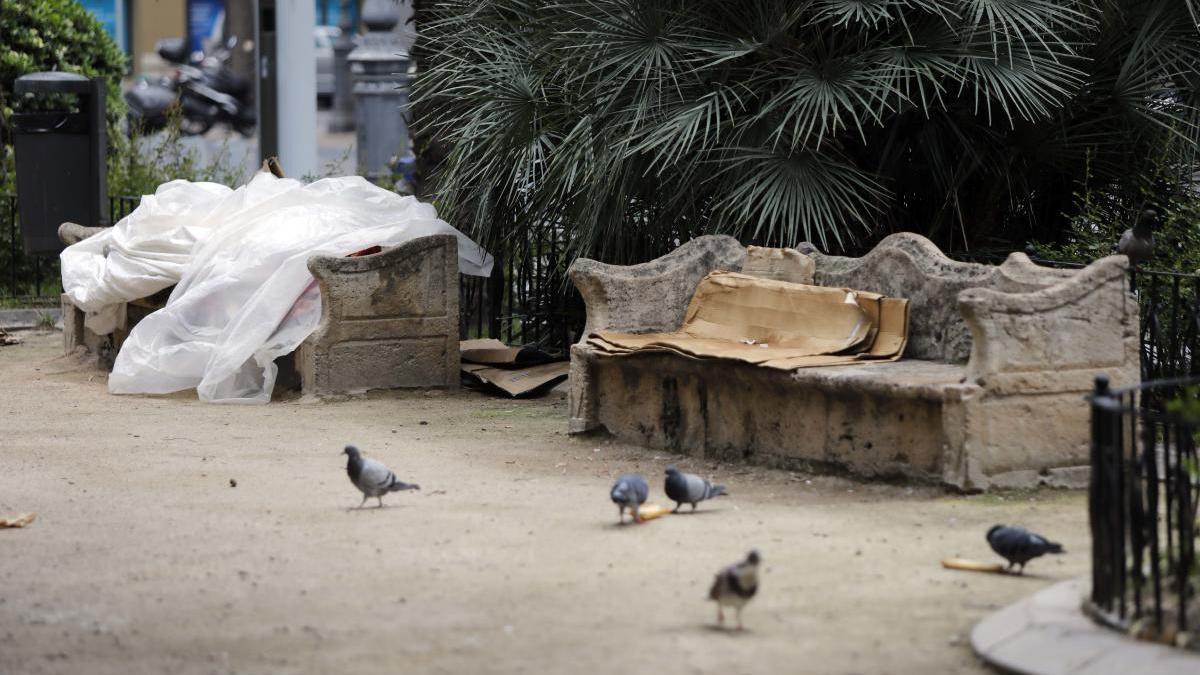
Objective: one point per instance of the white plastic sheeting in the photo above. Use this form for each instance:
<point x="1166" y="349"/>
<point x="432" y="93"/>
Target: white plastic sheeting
<point x="145" y="252"/>
<point x="244" y="295"/>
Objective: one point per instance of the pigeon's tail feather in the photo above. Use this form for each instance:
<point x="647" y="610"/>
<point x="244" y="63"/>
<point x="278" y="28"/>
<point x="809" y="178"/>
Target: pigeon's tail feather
<point x="717" y="491"/>
<point x="401" y="485"/>
<point x="1054" y="547"/>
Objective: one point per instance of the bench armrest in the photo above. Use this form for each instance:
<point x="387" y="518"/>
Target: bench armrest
<point x="1055" y="338"/>
<point x="652" y="296"/>
<point x="73" y="233"/>
<point x="388" y="320"/>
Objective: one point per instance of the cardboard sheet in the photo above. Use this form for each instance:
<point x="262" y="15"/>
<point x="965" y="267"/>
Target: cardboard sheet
<point x="776" y="324"/>
<point x="515" y="371"/>
<point x="522" y="382"/>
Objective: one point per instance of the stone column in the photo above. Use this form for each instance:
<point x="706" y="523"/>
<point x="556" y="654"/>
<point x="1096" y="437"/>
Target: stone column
<point x="343" y="97"/>
<point x="381" y="83"/>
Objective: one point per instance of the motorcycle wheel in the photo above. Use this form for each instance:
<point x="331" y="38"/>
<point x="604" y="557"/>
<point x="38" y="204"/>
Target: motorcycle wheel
<point x="244" y="128"/>
<point x="193" y="126"/>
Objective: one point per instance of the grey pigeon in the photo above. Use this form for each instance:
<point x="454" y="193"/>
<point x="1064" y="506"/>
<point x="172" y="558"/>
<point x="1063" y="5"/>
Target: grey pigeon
<point x="372" y="478"/>
<point x="735" y="586"/>
<point x="1137" y="243"/>
<point x="685" y="488"/>
<point x="1018" y="545"/>
<point x="629" y="492"/>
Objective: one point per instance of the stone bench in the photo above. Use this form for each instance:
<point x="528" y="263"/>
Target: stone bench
<point x="990" y="392"/>
<point x="388" y="320"/>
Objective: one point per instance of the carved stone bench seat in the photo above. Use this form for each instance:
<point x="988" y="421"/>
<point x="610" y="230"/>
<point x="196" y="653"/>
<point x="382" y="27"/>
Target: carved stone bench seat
<point x="990" y="391"/>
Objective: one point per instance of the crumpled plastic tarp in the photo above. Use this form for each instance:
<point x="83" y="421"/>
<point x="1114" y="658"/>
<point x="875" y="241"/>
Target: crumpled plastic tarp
<point x="146" y="251"/>
<point x="244" y="295"/>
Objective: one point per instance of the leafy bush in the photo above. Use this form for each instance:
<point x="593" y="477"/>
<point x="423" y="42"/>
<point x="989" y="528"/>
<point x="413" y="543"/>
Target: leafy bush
<point x="55" y="35"/>
<point x="835" y="121"/>
<point x="49" y="35"/>
<point x="1103" y="216"/>
<point x="138" y="165"/>
<point x="62" y="35"/>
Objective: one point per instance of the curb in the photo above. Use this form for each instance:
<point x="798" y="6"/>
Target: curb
<point x="23" y="319"/>
<point x="1047" y="633"/>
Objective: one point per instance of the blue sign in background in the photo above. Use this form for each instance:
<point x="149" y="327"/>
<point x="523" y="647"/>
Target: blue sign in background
<point x="203" y="17"/>
<point x="330" y="11"/>
<point x="111" y="14"/>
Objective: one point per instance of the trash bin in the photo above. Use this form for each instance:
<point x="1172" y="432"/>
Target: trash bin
<point x="60" y="160"/>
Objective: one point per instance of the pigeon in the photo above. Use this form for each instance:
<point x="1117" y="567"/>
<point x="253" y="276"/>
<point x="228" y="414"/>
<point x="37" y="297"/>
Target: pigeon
<point x="629" y="492"/>
<point x="373" y="478"/>
<point x="1018" y="545"/>
<point x="688" y="488"/>
<point x="735" y="586"/>
<point x="1137" y="243"/>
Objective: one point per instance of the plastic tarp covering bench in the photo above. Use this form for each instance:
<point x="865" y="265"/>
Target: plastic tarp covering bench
<point x="243" y="294"/>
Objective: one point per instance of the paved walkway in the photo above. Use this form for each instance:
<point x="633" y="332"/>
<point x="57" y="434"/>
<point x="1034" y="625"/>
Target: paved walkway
<point x="1048" y="634"/>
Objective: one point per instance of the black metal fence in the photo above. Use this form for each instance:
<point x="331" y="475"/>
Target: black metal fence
<point x="29" y="280"/>
<point x="1170" y="330"/>
<point x="529" y="301"/>
<point x="1142" y="506"/>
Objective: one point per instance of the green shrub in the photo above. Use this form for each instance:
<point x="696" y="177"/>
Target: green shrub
<point x="44" y="35"/>
<point x="61" y="35"/>
<point x="1104" y="213"/>
<point x="628" y="123"/>
<point x="138" y="165"/>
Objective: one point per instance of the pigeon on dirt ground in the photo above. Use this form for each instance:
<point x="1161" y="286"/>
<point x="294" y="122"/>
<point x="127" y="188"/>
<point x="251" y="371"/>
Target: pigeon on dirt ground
<point x="1018" y="545"/>
<point x="685" y="488"/>
<point x="629" y="492"/>
<point x="372" y="478"/>
<point x="735" y="586"/>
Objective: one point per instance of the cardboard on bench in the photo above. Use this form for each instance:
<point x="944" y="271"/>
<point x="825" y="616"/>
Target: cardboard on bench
<point x="777" y="325"/>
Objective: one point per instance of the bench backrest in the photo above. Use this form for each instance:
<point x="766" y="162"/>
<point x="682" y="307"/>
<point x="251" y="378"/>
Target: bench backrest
<point x="907" y="265"/>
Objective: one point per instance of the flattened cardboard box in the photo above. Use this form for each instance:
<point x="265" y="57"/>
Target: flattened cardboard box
<point x="777" y="324"/>
<point x="516" y="371"/>
<point x="529" y="381"/>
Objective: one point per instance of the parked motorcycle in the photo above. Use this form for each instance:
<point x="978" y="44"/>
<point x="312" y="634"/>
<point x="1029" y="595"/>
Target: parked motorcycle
<point x="204" y="89"/>
<point x="150" y="104"/>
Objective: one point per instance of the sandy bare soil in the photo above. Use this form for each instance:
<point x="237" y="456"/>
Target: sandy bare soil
<point x="144" y="558"/>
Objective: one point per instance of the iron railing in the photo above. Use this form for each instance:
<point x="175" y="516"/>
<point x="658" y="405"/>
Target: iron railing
<point x="1142" y="506"/>
<point x="1170" y="332"/>
<point x="529" y="300"/>
<point x="30" y="279"/>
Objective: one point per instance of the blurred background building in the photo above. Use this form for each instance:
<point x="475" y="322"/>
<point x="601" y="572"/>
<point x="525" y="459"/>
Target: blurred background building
<point x="137" y="25"/>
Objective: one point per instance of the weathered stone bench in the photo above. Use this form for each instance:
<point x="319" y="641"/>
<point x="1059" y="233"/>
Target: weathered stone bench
<point x="990" y="391"/>
<point x="388" y="320"/>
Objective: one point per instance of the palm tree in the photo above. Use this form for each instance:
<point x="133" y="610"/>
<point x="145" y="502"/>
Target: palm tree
<point x="623" y="126"/>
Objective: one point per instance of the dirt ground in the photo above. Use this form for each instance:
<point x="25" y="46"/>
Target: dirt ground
<point x="145" y="559"/>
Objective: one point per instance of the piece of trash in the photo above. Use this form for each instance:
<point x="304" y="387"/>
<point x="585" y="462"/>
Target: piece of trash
<point x="422" y="422"/>
<point x="972" y="565"/>
<point x="748" y="341"/>
<point x="651" y="511"/>
<point x="19" y="520"/>
<point x="232" y="482"/>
